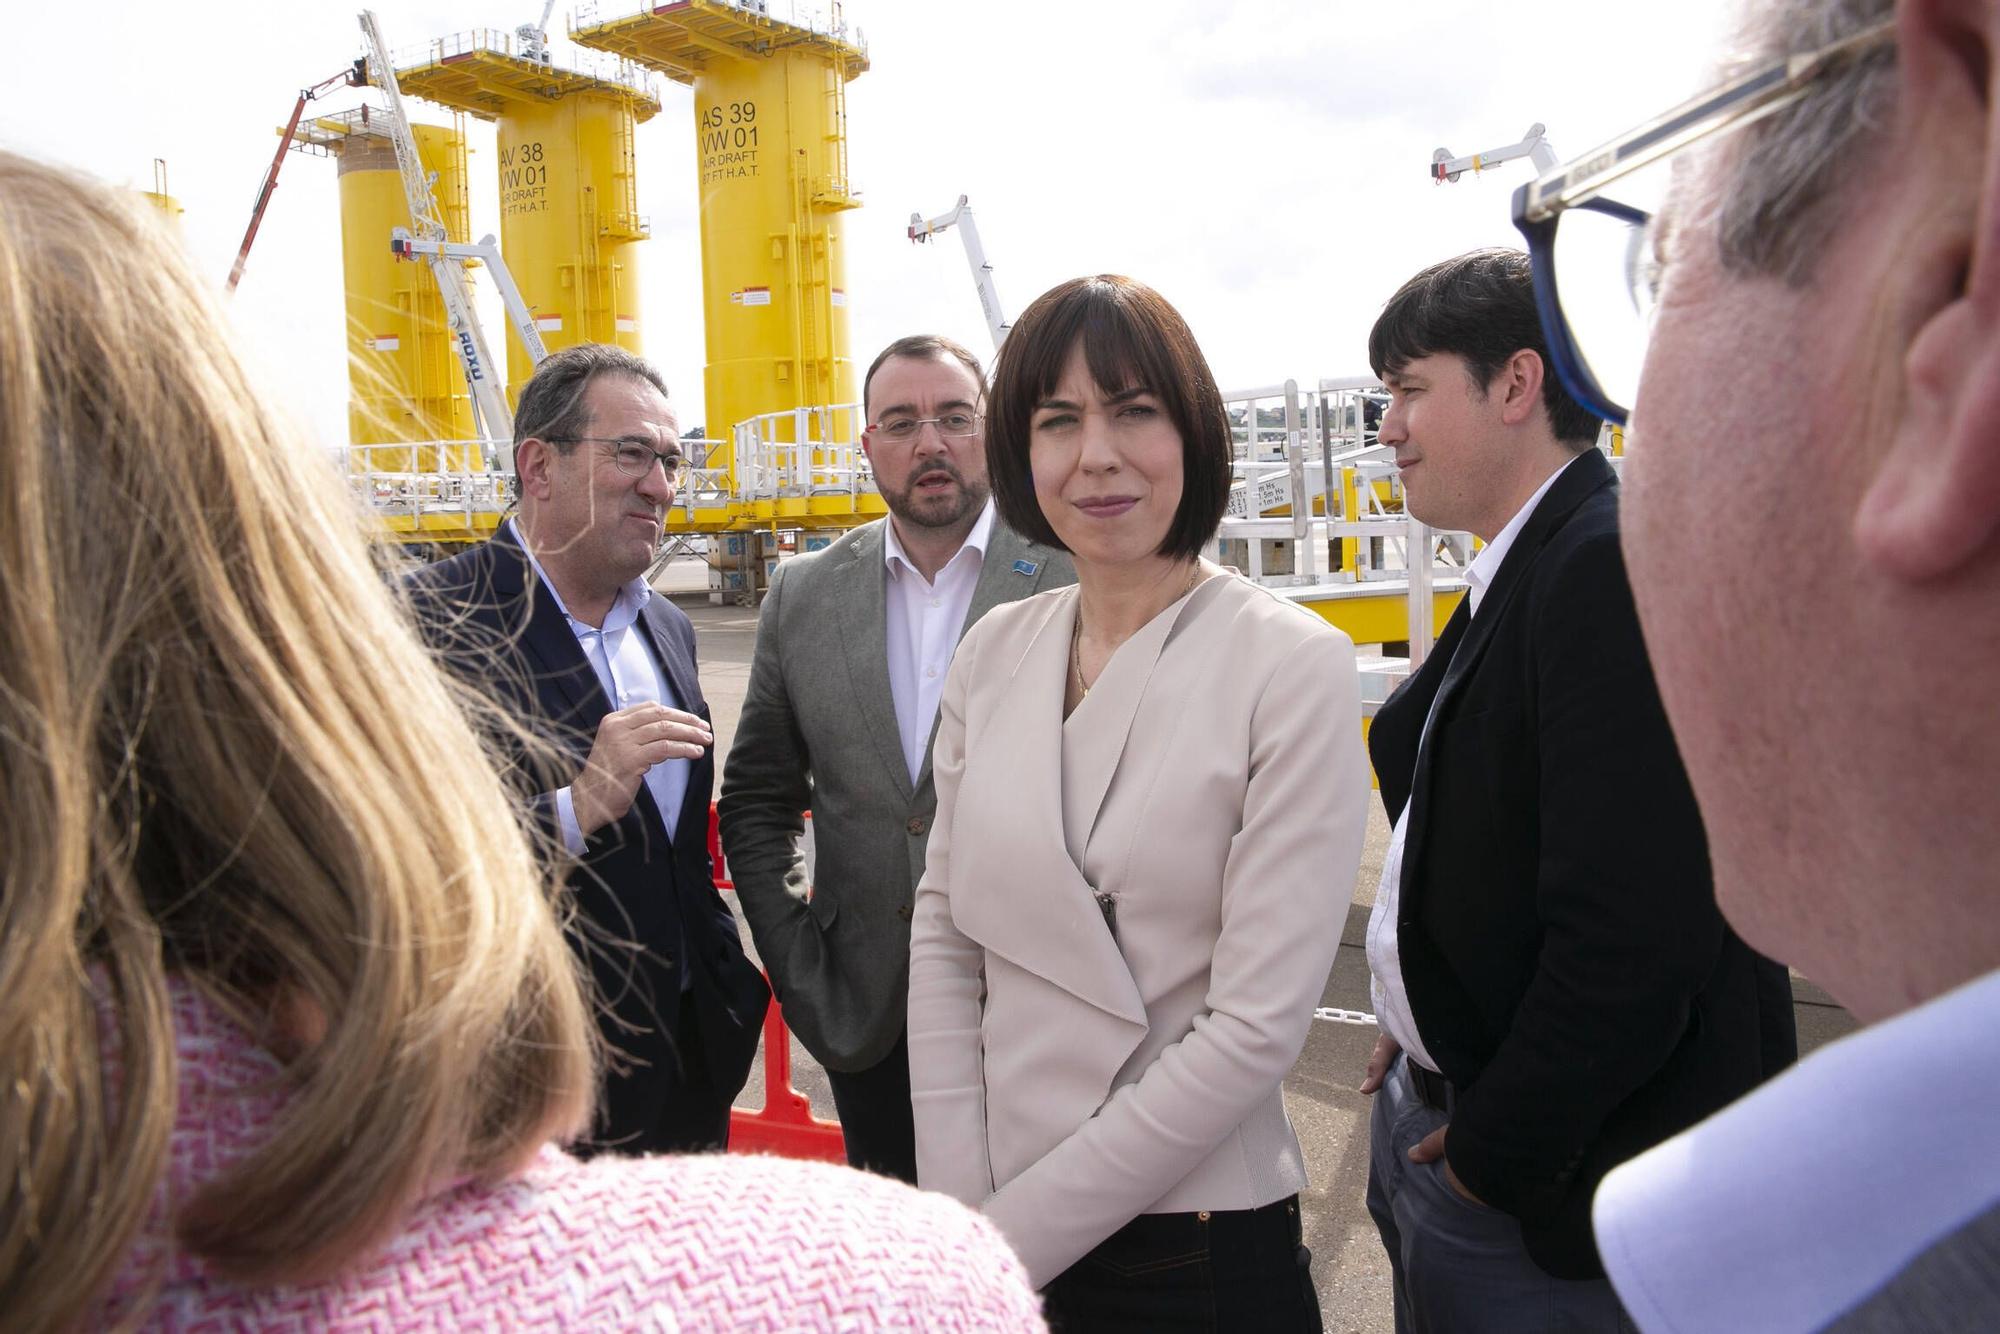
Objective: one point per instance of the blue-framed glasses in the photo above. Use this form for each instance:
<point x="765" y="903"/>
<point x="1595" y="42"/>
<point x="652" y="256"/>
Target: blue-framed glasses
<point x="1597" y="335"/>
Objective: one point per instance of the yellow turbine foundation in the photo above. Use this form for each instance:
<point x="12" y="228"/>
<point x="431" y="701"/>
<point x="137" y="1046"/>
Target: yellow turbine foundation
<point x="569" y="211"/>
<point x="405" y="383"/>
<point x="770" y="125"/>
<point x="774" y="262"/>
<point x="568" y="218"/>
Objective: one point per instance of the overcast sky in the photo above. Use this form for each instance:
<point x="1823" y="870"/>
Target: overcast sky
<point x="1264" y="165"/>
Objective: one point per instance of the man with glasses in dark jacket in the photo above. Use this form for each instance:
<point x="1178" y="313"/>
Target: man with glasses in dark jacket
<point x="552" y="619"/>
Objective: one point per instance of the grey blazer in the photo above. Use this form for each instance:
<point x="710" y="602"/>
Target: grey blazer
<point x="818" y="731"/>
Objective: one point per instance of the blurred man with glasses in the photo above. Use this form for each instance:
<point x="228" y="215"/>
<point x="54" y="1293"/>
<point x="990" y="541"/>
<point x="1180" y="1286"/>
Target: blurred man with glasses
<point x="1819" y="419"/>
<point x="553" y="621"/>
<point x="853" y="643"/>
<point x="1555" y="987"/>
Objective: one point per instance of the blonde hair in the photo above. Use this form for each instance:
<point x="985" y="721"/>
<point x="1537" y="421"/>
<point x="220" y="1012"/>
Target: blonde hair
<point x="224" y="754"/>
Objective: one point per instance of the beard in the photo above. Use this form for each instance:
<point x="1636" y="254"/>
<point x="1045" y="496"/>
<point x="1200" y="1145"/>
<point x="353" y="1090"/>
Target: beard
<point x="936" y="509"/>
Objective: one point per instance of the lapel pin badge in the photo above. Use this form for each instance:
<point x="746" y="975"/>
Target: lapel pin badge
<point x="1024" y="567"/>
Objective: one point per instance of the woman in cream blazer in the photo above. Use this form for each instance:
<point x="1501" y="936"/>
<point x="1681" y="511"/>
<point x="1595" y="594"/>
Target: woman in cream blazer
<point x="1151" y="796"/>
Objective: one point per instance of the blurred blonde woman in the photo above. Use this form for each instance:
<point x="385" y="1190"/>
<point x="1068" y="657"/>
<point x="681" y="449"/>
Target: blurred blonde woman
<point x="284" y="983"/>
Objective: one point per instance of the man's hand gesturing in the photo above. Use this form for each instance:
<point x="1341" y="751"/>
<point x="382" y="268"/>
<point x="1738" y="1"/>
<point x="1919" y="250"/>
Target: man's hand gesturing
<point x="629" y="742"/>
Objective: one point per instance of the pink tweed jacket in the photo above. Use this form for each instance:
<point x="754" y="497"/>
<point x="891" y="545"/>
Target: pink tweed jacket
<point x="719" y="1242"/>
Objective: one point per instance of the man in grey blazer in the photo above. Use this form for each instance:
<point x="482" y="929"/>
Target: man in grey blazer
<point x="852" y="648"/>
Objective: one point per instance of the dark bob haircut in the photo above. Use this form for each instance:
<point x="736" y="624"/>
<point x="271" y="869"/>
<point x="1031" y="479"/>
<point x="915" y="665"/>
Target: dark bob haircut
<point x="1480" y="306"/>
<point x="1131" y="338"/>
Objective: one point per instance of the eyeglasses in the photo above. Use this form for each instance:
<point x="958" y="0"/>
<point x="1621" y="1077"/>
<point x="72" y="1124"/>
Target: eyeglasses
<point x="1598" y="344"/>
<point x="952" y="425"/>
<point x="635" y="457"/>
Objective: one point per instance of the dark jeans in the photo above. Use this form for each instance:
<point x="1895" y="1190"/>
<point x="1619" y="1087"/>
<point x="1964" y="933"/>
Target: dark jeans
<point x="1219" y="1270"/>
<point x="1459" y="1265"/>
<point x="874" y="1110"/>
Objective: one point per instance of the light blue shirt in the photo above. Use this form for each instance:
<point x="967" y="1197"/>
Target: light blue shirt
<point x="630" y="675"/>
<point x="1797" y="1201"/>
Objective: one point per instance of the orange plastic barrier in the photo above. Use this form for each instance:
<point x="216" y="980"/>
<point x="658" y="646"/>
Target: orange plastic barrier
<point x="786" y="1124"/>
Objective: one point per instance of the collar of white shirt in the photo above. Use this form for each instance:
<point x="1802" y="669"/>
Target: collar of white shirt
<point x="897" y="560"/>
<point x="631" y="600"/>
<point x="1479" y="574"/>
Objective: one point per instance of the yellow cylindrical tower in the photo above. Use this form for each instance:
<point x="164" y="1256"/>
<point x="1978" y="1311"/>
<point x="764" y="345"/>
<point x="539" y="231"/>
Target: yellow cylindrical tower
<point x="404" y="381"/>
<point x="771" y="128"/>
<point x="569" y="211"/>
<point x="774" y="266"/>
<point x="568" y="219"/>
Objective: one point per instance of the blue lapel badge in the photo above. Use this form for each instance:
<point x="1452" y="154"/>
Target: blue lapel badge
<point x="1024" y="567"/>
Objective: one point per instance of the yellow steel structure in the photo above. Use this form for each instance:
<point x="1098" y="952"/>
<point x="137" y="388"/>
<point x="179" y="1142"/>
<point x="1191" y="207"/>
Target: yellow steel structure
<point x="405" y="384"/>
<point x="1368" y="616"/>
<point x="770" y="102"/>
<point x="569" y="192"/>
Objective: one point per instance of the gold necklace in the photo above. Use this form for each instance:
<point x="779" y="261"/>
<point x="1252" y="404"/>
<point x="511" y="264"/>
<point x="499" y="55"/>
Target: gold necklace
<point x="1076" y="634"/>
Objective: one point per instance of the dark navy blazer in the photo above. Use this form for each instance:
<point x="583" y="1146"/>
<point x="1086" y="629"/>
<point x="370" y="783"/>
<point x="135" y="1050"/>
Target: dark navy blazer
<point x="648" y="918"/>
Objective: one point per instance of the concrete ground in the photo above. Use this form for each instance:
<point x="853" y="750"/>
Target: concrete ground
<point x="1330" y="1117"/>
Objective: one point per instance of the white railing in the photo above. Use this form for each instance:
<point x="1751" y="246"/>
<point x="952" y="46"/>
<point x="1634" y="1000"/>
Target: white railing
<point x="466" y="478"/>
<point x="1315" y="455"/>
<point x="1319" y="450"/>
<point x="803" y="452"/>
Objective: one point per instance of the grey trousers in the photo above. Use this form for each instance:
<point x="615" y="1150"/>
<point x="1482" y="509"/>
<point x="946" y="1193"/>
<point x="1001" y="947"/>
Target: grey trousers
<point x="1460" y="1267"/>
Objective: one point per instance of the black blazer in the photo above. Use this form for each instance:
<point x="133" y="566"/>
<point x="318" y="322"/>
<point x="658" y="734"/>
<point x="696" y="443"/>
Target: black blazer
<point x="1565" y="961"/>
<point x="647" y="907"/>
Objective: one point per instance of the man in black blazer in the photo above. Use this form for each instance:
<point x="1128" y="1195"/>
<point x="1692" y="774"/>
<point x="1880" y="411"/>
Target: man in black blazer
<point x="553" y="622"/>
<point x="1556" y="988"/>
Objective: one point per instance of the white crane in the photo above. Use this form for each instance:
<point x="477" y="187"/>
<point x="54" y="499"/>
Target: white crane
<point x="1534" y="146"/>
<point x="486" y="251"/>
<point x="489" y="402"/>
<point x="535" y="37"/>
<point x="960" y="216"/>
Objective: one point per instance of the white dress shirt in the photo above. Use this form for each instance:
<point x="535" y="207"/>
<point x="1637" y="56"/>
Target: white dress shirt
<point x="924" y="619"/>
<point x="630" y="675"/>
<point x="1385" y="962"/>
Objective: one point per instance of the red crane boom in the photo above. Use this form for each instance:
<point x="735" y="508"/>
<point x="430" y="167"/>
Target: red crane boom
<point x="349" y="77"/>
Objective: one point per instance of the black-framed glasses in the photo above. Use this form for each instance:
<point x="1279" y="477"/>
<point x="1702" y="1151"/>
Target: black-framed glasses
<point x="636" y="457"/>
<point x="952" y="425"/>
<point x="1597" y="341"/>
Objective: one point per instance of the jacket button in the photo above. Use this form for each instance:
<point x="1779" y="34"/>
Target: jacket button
<point x="917" y="824"/>
<point x="903" y="911"/>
